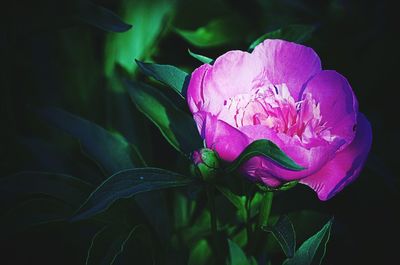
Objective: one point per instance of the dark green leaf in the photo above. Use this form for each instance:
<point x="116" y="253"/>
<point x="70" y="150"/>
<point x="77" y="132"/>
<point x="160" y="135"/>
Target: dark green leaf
<point x="313" y="249"/>
<point x="253" y="261"/>
<point x="110" y="151"/>
<point x="101" y="17"/>
<point x="216" y="33"/>
<point x="236" y="254"/>
<point x="175" y="125"/>
<point x="126" y="184"/>
<point x="107" y="244"/>
<point x="284" y="233"/>
<point x="200" y="254"/>
<point x="234" y="199"/>
<point x="293" y="33"/>
<point x="33" y="212"/>
<point x="167" y="74"/>
<point x="267" y="149"/>
<point x="63" y="187"/>
<point x="201" y="58"/>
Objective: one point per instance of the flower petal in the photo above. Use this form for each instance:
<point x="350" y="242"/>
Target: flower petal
<point x="337" y="102"/>
<point x="226" y="140"/>
<point x="312" y="159"/>
<point x="288" y="63"/>
<point x="345" y="166"/>
<point x="233" y="73"/>
<point x="194" y="93"/>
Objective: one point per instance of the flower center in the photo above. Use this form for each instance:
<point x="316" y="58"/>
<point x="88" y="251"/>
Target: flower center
<point x="274" y="107"/>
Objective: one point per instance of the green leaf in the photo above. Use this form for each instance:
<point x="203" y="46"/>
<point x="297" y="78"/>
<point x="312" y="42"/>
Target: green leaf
<point x="107" y="244"/>
<point x="167" y="74"/>
<point x="62" y="187"/>
<point x="236" y="254"/>
<point x="293" y="33"/>
<point x="313" y="249"/>
<point x="236" y="200"/>
<point x="126" y="184"/>
<point x="175" y="125"/>
<point x="150" y="20"/>
<point x="200" y="254"/>
<point x="217" y="32"/>
<point x="201" y="58"/>
<point x="267" y="149"/>
<point x="101" y="17"/>
<point x="109" y="150"/>
<point x="284" y="233"/>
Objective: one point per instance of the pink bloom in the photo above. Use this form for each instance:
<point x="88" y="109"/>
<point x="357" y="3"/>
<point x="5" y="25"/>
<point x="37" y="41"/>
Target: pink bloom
<point x="279" y="92"/>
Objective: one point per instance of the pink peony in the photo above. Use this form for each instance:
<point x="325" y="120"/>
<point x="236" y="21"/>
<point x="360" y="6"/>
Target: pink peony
<point x="279" y="92"/>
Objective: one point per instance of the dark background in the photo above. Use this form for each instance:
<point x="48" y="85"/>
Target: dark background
<point x="51" y="58"/>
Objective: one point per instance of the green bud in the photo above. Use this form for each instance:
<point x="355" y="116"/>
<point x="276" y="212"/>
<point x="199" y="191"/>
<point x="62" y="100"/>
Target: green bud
<point x="206" y="162"/>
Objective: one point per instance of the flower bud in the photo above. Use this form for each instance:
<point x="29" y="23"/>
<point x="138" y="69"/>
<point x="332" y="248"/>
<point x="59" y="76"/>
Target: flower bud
<point x="206" y="162"/>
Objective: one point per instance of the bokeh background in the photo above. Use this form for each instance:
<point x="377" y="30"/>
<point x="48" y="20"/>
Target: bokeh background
<point x="62" y="54"/>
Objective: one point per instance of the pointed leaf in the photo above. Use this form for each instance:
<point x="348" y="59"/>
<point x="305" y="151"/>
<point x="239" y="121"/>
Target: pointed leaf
<point x="236" y="254"/>
<point x="293" y="33"/>
<point x="201" y="58"/>
<point x="313" y="249"/>
<point x="111" y="151"/>
<point x="175" y="125"/>
<point x="267" y="149"/>
<point x="62" y="187"/>
<point x="126" y="184"/>
<point x="168" y="75"/>
<point x="107" y="244"/>
<point x="284" y="233"/>
<point x="101" y="17"/>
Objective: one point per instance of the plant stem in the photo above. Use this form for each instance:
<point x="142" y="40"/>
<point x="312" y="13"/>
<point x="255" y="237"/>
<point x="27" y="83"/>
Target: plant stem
<point x="213" y="221"/>
<point x="265" y="209"/>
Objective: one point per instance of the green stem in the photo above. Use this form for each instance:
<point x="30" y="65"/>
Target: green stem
<point x="265" y="209"/>
<point x="213" y="221"/>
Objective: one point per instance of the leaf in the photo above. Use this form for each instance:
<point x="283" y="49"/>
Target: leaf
<point x="216" y="33"/>
<point x="167" y="74"/>
<point x="284" y="233"/>
<point x="101" y="17"/>
<point x="110" y="151"/>
<point x="62" y="187"/>
<point x="200" y="254"/>
<point x="36" y="211"/>
<point x="126" y="184"/>
<point x="234" y="199"/>
<point x="313" y="248"/>
<point x="201" y="58"/>
<point x="149" y="19"/>
<point x="175" y="125"/>
<point x="236" y="254"/>
<point x="293" y="33"/>
<point x="107" y="244"/>
<point x="267" y="149"/>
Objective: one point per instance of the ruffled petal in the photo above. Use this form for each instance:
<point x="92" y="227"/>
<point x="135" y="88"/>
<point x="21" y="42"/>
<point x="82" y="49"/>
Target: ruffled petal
<point x="345" y="166"/>
<point x="288" y="63"/>
<point x="337" y="102"/>
<point x="226" y="140"/>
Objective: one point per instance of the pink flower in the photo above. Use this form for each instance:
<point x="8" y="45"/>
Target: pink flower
<point x="279" y="92"/>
